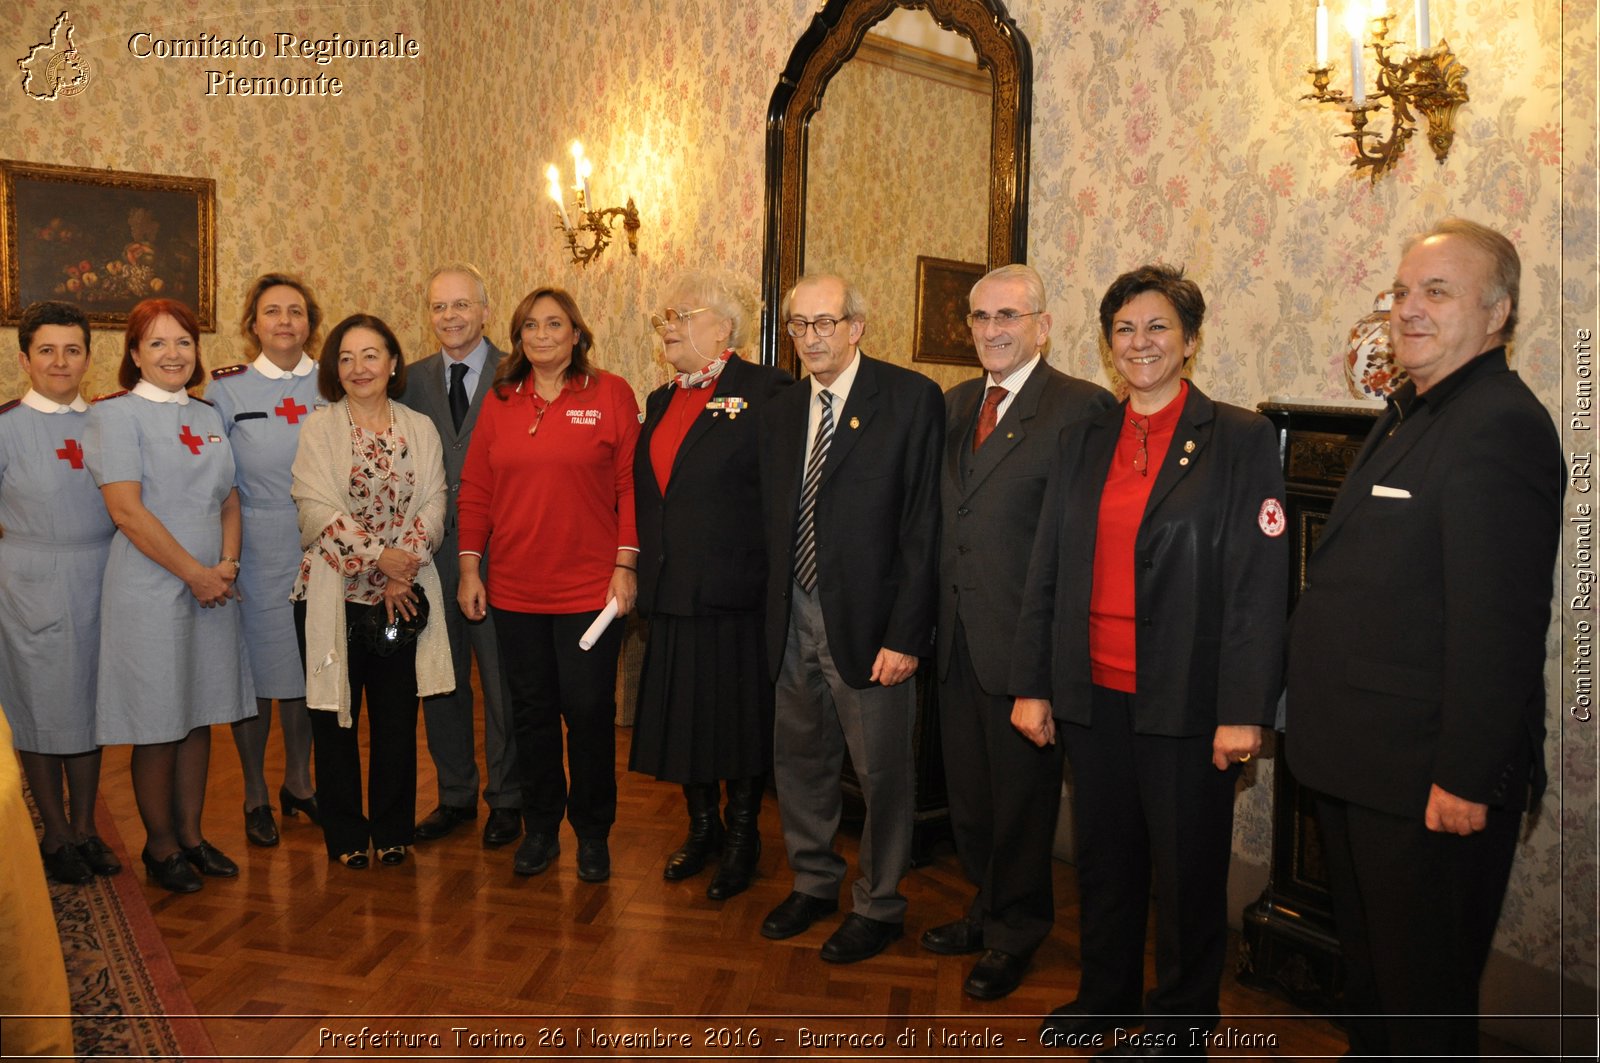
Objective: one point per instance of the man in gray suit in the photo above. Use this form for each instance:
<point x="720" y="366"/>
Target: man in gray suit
<point x="450" y="386"/>
<point x="1000" y="434"/>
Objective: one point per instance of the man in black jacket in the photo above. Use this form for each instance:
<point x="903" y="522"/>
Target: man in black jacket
<point x="850" y="498"/>
<point x="1416" y="694"/>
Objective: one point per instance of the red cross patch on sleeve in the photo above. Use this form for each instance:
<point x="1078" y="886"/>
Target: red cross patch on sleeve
<point x="1271" y="518"/>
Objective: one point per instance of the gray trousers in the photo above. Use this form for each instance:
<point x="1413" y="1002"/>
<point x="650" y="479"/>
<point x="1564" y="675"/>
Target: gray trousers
<point x="818" y="716"/>
<point x="448" y="717"/>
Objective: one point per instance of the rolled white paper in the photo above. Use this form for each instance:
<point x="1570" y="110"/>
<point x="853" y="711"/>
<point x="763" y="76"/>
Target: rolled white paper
<point x="587" y="640"/>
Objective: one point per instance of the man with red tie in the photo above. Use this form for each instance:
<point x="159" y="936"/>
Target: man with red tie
<point x="1000" y="434"/>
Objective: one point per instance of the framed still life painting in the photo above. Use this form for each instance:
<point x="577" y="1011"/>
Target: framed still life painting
<point x="105" y="239"/>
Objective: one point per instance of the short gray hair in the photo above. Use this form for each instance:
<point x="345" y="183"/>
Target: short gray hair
<point x="1017" y="271"/>
<point x="459" y="267"/>
<point x="1505" y="265"/>
<point x="855" y="304"/>
<point x="728" y="295"/>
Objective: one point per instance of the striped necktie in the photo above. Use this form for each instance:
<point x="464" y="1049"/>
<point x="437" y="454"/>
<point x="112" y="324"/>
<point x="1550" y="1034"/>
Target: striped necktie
<point x="805" y="554"/>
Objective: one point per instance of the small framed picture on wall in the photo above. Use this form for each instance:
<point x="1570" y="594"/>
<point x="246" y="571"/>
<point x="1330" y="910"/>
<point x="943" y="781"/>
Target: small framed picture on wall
<point x="941" y="333"/>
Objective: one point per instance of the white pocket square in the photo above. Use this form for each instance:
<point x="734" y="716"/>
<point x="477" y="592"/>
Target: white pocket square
<point x="1380" y="491"/>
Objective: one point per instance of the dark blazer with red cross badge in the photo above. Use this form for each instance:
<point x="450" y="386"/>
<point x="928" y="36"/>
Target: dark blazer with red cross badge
<point x="1211" y="578"/>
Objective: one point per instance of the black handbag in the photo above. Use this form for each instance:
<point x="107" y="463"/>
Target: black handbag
<point x="374" y="633"/>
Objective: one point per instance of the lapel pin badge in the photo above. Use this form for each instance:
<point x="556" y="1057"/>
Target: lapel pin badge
<point x="1188" y="447"/>
<point x="855" y="422"/>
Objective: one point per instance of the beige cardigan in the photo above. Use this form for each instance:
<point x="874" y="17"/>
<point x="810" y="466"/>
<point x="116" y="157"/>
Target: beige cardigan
<point x="321" y="491"/>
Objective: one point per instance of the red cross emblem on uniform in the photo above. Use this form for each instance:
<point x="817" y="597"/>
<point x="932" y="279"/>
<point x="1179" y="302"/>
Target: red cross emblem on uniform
<point x="1270" y="519"/>
<point x="71" y="453"/>
<point x="289" y="410"/>
<point x="190" y="440"/>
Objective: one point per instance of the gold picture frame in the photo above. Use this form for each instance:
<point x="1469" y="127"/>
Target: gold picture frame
<point x="941" y="335"/>
<point x="105" y="239"/>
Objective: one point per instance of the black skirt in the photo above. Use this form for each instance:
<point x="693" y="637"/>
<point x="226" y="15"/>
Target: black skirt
<point x="705" y="702"/>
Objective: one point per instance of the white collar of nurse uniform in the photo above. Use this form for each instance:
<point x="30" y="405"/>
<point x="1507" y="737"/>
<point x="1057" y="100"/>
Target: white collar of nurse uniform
<point x="146" y="390"/>
<point x="264" y="366"/>
<point x="35" y="401"/>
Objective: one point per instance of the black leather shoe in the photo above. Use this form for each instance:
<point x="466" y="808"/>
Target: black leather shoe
<point x="995" y="975"/>
<point x="173" y="873"/>
<point x="796" y="914"/>
<point x="859" y="938"/>
<point x="1073" y="1020"/>
<point x="443" y="820"/>
<point x="504" y="827"/>
<point x="259" y="827"/>
<point x="392" y="855"/>
<point x="67" y="865"/>
<point x="208" y="860"/>
<point x="594" y="860"/>
<point x="98" y="855"/>
<point x="355" y="860"/>
<point x="535" y="854"/>
<point x="293" y="805"/>
<point x="959" y="938"/>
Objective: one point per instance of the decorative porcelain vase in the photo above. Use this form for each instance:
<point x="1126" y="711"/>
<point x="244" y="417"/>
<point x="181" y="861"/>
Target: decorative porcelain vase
<point x="1369" y="363"/>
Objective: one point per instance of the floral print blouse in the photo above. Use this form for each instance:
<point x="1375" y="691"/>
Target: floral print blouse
<point x="382" y="477"/>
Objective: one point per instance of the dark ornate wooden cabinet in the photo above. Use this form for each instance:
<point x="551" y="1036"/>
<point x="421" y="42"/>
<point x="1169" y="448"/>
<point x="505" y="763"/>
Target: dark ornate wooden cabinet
<point x="1290" y="946"/>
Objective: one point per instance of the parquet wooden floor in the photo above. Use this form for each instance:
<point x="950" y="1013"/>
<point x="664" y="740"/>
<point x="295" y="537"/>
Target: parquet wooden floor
<point x="297" y="950"/>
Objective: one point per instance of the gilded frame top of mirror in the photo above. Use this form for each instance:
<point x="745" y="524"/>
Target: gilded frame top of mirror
<point x="831" y="39"/>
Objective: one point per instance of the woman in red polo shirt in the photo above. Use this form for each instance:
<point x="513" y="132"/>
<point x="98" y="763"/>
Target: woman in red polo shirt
<point x="547" y="496"/>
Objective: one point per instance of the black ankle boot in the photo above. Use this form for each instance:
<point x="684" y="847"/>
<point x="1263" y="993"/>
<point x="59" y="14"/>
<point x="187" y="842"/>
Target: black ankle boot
<point x="705" y="833"/>
<point x="741" y="849"/>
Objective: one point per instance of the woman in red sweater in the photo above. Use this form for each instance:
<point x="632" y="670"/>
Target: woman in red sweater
<point x="547" y="495"/>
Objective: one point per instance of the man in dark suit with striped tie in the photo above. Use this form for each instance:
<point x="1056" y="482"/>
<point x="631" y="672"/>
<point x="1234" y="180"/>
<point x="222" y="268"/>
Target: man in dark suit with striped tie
<point x="850" y="468"/>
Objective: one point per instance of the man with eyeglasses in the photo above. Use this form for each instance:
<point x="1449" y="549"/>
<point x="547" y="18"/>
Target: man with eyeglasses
<point x="1000" y="434"/>
<point x="449" y="386"/>
<point x="1416" y="699"/>
<point x="849" y="463"/>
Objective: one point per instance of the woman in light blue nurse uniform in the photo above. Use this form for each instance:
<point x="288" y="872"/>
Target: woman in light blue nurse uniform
<point x="172" y="662"/>
<point x="54" y="534"/>
<point x="263" y="404"/>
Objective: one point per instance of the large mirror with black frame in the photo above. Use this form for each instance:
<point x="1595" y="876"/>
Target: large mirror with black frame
<point x="899" y="159"/>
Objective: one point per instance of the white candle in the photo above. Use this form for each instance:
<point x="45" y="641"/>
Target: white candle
<point x="1424" y="38"/>
<point x="1355" y="20"/>
<point x="1322" y="34"/>
<point x="554" y="190"/>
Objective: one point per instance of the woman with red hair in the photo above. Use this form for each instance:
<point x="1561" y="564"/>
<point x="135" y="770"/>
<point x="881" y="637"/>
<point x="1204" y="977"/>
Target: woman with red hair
<point x="171" y="657"/>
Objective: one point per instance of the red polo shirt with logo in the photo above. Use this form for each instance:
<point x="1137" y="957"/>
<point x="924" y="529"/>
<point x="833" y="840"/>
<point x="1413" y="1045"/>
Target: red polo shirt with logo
<point x="547" y="488"/>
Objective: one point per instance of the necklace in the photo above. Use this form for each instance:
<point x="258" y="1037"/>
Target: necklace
<point x="389" y="403"/>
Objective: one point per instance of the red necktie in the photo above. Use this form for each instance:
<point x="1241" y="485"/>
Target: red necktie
<point x="988" y="415"/>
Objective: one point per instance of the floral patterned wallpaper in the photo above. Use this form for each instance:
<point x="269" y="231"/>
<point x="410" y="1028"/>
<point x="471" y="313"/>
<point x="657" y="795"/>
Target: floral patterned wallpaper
<point x="321" y="186"/>
<point x="1162" y="129"/>
<point x="898" y="167"/>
